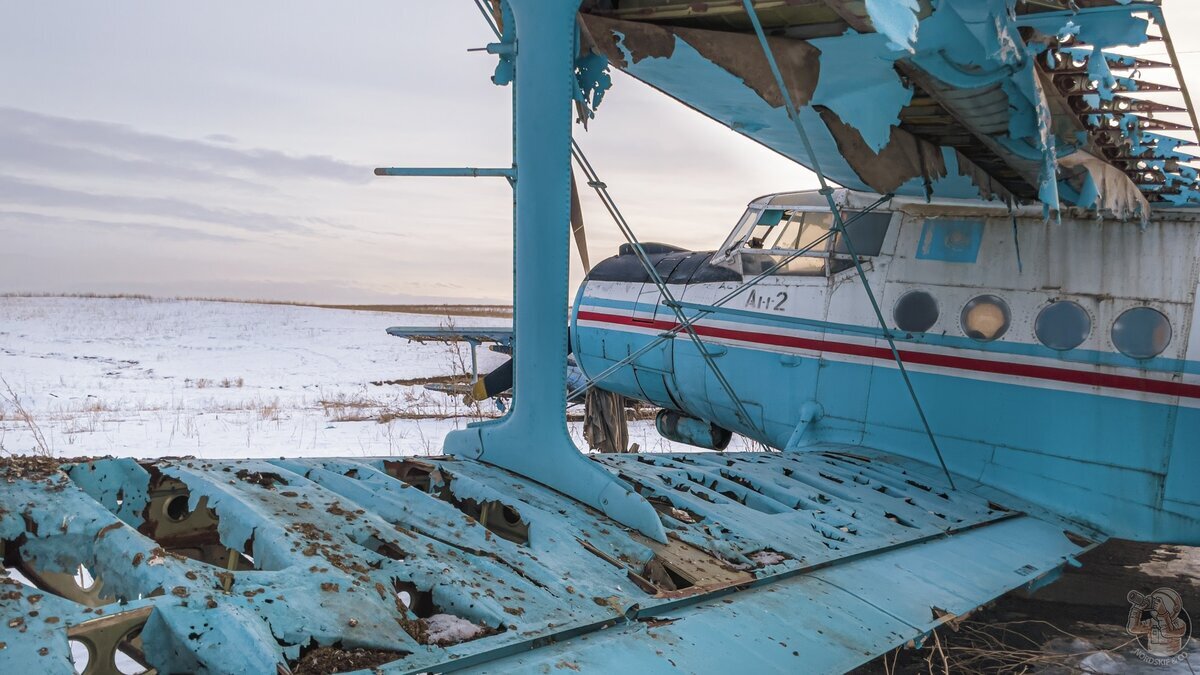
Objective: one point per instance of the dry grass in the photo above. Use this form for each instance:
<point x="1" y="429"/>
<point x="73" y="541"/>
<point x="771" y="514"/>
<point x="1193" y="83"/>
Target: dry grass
<point x="447" y="309"/>
<point x="116" y="296"/>
<point x="494" y="311"/>
<point x="347" y="408"/>
<point x="224" y="383"/>
<point x="94" y="405"/>
<point x="268" y="411"/>
<point x="10" y="398"/>
<point x="995" y="648"/>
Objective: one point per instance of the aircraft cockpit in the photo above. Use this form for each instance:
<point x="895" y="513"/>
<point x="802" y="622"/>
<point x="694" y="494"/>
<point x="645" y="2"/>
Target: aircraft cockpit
<point x="774" y="227"/>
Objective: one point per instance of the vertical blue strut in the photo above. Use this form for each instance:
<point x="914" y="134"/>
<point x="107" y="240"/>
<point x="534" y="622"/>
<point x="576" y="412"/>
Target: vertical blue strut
<point x="532" y="440"/>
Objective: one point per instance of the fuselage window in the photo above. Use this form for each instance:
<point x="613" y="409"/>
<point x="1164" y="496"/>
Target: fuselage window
<point x="1062" y="325"/>
<point x="985" y="318"/>
<point x="777" y="234"/>
<point x="915" y="312"/>
<point x="1141" y="333"/>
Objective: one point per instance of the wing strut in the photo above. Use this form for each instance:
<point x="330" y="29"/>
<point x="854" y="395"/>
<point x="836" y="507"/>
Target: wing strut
<point x="839" y="226"/>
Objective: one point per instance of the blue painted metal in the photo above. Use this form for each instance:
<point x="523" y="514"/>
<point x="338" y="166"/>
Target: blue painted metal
<point x="1089" y="356"/>
<point x="816" y="541"/>
<point x="683" y="429"/>
<point x="970" y="55"/>
<point x="532" y="438"/>
<point x="500" y="335"/>
<point x="950" y="240"/>
<point x="1069" y="451"/>
<point x="813" y="560"/>
<point x="840" y="227"/>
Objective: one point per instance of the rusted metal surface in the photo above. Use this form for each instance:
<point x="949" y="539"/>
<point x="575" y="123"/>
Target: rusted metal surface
<point x="994" y="91"/>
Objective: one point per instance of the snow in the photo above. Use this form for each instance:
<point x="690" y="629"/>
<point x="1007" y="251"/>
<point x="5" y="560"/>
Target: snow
<point x="1103" y="662"/>
<point x="1112" y="650"/>
<point x="445" y="629"/>
<point x="1172" y="561"/>
<point x="147" y="378"/>
<point x="766" y="557"/>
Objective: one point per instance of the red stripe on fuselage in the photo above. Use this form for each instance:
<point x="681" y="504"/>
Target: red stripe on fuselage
<point x="1050" y="373"/>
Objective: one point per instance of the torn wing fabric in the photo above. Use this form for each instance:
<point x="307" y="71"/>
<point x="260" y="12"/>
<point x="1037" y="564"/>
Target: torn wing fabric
<point x="1103" y="187"/>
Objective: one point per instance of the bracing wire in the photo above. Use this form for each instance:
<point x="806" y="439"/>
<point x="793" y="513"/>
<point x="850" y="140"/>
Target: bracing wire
<point x="840" y="227"/>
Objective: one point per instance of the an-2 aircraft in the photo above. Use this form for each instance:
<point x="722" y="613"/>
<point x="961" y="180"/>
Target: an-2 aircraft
<point x="1043" y="352"/>
<point x="976" y="361"/>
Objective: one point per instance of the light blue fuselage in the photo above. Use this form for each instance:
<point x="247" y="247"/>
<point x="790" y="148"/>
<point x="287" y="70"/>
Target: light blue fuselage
<point x="1089" y="433"/>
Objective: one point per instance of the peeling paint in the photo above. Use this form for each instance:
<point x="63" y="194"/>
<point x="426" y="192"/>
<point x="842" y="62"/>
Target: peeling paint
<point x="1011" y="77"/>
<point x="390" y="555"/>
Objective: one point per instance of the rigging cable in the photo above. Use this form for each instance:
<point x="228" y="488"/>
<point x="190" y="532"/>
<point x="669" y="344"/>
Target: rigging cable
<point x="716" y="305"/>
<point x="668" y="298"/>
<point x="839" y="226"/>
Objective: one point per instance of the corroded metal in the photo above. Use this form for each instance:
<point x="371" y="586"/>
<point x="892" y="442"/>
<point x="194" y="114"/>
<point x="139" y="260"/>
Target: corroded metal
<point x="379" y="553"/>
<point x="907" y="97"/>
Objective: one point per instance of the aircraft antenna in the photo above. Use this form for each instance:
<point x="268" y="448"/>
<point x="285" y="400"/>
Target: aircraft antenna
<point x="839" y="226"/>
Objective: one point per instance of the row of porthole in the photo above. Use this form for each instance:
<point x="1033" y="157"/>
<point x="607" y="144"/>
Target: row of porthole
<point x="1139" y="333"/>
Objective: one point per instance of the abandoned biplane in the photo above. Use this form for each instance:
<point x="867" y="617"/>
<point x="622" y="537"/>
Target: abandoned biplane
<point x="977" y="360"/>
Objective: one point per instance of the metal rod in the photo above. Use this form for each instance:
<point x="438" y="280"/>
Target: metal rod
<point x="840" y="227"/>
<point x="1183" y="88"/>
<point x="474" y="361"/>
<point x="782" y="318"/>
<point x="724" y="299"/>
<point x="669" y="298"/>
<point x="699" y="315"/>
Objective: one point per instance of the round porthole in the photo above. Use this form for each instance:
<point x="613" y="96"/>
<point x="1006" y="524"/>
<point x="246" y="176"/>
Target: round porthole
<point x="1141" y="333"/>
<point x="1062" y="325"/>
<point x="915" y="312"/>
<point x="985" y="318"/>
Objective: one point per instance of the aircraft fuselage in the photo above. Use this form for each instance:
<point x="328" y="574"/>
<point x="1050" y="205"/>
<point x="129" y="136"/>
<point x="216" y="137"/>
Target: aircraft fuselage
<point x="1055" y="361"/>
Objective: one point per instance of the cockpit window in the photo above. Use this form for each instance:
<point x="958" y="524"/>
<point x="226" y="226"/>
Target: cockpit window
<point x="735" y="238"/>
<point x="866" y="231"/>
<point x="767" y="237"/>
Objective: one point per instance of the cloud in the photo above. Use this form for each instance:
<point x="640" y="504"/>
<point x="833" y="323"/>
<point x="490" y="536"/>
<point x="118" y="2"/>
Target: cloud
<point x="26" y="152"/>
<point x="63" y="144"/>
<point x="17" y="191"/>
<point x="25" y="221"/>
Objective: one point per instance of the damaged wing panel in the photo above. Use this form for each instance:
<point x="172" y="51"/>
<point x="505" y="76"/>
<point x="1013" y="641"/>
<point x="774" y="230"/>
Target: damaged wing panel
<point x="428" y="565"/>
<point x="969" y="99"/>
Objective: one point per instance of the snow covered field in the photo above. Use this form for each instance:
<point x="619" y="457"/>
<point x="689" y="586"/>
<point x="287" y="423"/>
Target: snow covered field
<point x="145" y="378"/>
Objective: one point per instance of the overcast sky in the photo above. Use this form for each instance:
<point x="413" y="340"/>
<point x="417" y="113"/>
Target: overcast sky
<point x="225" y="149"/>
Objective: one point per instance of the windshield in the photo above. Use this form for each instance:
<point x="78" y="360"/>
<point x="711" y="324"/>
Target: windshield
<point x="766" y="237"/>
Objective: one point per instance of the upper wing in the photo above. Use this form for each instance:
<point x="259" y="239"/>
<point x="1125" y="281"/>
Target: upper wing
<point x="960" y="99"/>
